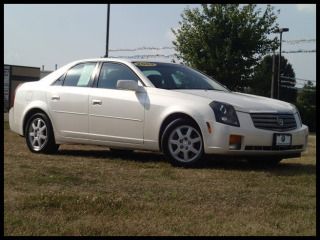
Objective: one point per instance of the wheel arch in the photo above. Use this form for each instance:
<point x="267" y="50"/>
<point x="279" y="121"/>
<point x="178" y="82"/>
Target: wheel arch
<point x="171" y="117"/>
<point x="29" y="113"/>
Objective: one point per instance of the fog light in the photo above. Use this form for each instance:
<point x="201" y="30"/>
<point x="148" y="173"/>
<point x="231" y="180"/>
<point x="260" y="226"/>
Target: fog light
<point x="235" y="142"/>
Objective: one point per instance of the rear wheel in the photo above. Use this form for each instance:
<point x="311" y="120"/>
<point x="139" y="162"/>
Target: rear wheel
<point x="182" y="143"/>
<point x="39" y="134"/>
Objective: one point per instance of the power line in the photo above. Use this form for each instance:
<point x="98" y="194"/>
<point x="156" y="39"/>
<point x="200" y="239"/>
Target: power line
<point x="285" y="86"/>
<point x="283" y="81"/>
<point x="139" y="49"/>
<point x="300" y="79"/>
<point x="146" y="56"/>
<point x="303" y="89"/>
<point x="299" y="41"/>
<point x="171" y="47"/>
<point x="297" y="51"/>
<point x="300" y="51"/>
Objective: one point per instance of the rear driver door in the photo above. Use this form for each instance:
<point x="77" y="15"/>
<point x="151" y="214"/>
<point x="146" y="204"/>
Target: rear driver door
<point x="68" y="100"/>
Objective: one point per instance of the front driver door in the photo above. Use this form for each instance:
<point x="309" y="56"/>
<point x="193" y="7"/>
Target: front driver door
<point x="116" y="115"/>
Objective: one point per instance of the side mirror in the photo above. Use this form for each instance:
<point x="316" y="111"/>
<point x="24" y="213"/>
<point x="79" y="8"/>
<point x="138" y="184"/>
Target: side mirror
<point x="128" y="85"/>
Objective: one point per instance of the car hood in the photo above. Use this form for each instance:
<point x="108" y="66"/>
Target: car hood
<point x="244" y="102"/>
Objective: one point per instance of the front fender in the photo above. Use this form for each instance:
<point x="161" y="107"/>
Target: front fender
<point x="155" y="117"/>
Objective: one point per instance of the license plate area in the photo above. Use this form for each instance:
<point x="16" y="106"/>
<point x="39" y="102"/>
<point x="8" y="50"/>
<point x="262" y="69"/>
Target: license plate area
<point x="282" y="139"/>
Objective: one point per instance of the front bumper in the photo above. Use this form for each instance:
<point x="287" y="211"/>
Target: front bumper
<point x="254" y="141"/>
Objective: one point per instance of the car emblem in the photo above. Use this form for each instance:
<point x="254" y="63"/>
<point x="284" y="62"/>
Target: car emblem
<point x="280" y="121"/>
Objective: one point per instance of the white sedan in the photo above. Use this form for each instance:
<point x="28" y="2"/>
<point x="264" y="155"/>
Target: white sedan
<point x="153" y="106"/>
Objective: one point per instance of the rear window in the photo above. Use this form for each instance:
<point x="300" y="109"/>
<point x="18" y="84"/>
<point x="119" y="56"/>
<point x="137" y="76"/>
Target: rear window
<point x="79" y="75"/>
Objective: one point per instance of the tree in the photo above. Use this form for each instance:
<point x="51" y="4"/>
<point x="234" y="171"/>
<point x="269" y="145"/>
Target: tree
<point x="225" y="40"/>
<point x="261" y="81"/>
<point x="306" y="103"/>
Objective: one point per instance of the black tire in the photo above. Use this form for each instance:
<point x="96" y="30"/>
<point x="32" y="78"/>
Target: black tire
<point x="170" y="131"/>
<point x="49" y="145"/>
<point x="268" y="161"/>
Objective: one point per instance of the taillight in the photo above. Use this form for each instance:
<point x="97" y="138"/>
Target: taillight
<point x="14" y="95"/>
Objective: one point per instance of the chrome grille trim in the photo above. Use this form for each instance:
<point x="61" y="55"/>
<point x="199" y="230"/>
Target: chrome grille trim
<point x="272" y="121"/>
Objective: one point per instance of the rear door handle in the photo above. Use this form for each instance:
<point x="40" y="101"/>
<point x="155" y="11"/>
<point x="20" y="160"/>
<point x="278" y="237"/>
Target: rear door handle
<point x="55" y="97"/>
<point x="96" y="102"/>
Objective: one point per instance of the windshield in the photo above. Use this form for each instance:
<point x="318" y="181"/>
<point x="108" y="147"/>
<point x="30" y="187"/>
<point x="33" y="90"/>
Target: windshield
<point x="174" y="76"/>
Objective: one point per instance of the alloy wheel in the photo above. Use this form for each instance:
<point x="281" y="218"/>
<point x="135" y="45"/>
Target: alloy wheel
<point x="38" y="134"/>
<point x="185" y="143"/>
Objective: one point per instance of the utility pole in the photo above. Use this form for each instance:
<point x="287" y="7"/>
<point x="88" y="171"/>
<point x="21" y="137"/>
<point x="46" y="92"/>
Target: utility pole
<point x="279" y="68"/>
<point x="107" y="34"/>
<point x="273" y="69"/>
<point x="280" y="30"/>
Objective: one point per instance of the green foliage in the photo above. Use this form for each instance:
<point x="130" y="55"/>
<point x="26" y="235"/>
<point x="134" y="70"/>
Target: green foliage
<point x="306" y="104"/>
<point x="225" y="40"/>
<point x="261" y="81"/>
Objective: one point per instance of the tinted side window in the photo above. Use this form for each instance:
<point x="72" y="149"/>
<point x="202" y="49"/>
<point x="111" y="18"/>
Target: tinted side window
<point x="112" y="72"/>
<point x="79" y="75"/>
<point x="59" y="81"/>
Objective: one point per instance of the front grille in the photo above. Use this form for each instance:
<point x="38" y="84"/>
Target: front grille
<point x="274" y="121"/>
<point x="273" y="148"/>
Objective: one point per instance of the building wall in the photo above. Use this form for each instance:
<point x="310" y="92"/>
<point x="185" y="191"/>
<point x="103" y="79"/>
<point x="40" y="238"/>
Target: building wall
<point x="44" y="73"/>
<point x="6" y="86"/>
<point x="17" y="75"/>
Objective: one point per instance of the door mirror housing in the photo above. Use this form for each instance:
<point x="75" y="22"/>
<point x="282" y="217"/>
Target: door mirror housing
<point x="128" y="85"/>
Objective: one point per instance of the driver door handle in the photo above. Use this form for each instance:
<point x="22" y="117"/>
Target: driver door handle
<point x="96" y="102"/>
<point x="55" y="97"/>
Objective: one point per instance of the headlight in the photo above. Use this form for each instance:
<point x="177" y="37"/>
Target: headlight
<point x="225" y="113"/>
<point x="297" y="116"/>
<point x="298" y="119"/>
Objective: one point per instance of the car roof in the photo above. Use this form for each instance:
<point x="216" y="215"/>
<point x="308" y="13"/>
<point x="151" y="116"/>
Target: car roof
<point x="122" y="60"/>
<point x="49" y="79"/>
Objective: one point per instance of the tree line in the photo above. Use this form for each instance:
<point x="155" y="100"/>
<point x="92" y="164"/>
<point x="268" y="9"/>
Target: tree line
<point x="232" y="44"/>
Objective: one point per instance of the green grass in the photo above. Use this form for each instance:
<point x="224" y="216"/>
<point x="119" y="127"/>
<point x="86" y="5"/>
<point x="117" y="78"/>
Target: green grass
<point x="86" y="190"/>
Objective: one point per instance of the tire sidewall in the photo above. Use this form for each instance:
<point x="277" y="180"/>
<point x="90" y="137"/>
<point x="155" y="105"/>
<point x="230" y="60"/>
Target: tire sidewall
<point x="50" y="144"/>
<point x="165" y="146"/>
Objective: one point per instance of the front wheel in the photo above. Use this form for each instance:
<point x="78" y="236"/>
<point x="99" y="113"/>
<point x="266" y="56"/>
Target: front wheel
<point x="39" y="134"/>
<point x="182" y="143"/>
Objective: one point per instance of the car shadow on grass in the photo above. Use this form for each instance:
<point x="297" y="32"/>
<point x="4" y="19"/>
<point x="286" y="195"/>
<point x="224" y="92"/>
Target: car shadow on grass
<point x="137" y="156"/>
<point x="284" y="168"/>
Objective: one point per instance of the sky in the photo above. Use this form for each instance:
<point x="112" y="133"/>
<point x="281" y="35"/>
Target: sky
<point x="49" y="34"/>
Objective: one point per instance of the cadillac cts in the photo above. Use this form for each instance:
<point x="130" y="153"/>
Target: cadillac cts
<point x="130" y="105"/>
